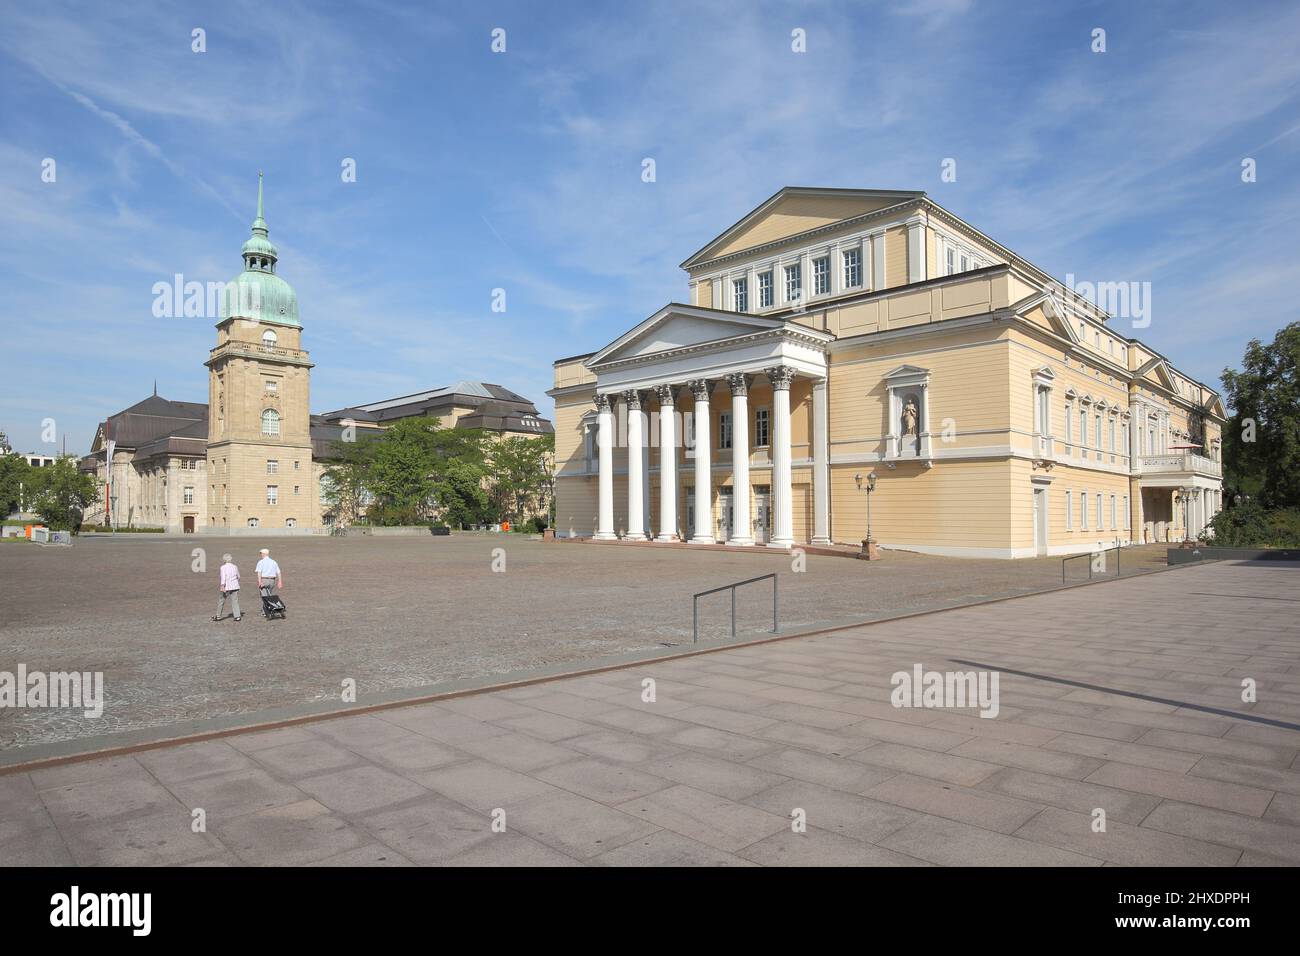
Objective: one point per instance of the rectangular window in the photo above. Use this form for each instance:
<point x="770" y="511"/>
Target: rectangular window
<point x="187" y="496"/>
<point x="272" y="466"/>
<point x="272" y="386"/>
<point x="1069" y="511"/>
<point x="740" y="294"/>
<point x="1096" y="430"/>
<point x="762" y="427"/>
<point x="1100" y="525"/>
<point x="1114" y="513"/>
<point x="295" y="466"/>
<point x="1127" y="522"/>
<point x="1111" y="430"/>
<point x="964" y="262"/>
<point x="272" y="494"/>
<point x="1069" y="423"/>
<point x="1083" y="511"/>
<point x="724" y="429"/>
<point x="952" y="260"/>
<point x="1083" y="428"/>
<point x="821" y="275"/>
<point x="295" y="489"/>
<point x="852" y="268"/>
<point x="793" y="283"/>
<point x="765" y="290"/>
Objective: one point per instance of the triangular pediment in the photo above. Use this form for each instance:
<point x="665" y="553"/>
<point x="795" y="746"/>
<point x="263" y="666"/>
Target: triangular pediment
<point x="1044" y="309"/>
<point x="907" y="371"/>
<point x="795" y="210"/>
<point x="1157" y="371"/>
<point x="679" y="326"/>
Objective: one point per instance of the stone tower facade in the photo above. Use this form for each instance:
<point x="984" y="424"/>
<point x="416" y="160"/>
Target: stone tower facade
<point x="259" y="453"/>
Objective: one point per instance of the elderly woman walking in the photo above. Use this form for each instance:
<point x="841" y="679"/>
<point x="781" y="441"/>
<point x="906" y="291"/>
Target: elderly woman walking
<point x="229" y="588"/>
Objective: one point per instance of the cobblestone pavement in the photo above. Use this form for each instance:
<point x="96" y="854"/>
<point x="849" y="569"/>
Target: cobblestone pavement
<point x="400" y="613"/>
<point x="585" y="770"/>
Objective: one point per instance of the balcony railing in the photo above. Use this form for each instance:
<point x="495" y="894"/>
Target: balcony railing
<point x="1178" y="464"/>
<point x="236" y="347"/>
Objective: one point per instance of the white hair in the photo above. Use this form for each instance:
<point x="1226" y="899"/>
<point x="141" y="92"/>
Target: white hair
<point x="226" y="557"/>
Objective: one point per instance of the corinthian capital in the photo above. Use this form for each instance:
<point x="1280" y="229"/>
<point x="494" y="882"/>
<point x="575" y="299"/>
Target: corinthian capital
<point x="602" y="403"/>
<point x="700" y="389"/>
<point x="633" y="398"/>
<point x="780" y="376"/>
<point x="667" y="394"/>
<point x="739" y="383"/>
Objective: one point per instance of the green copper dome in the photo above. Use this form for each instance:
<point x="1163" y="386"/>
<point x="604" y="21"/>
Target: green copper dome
<point x="258" y="293"/>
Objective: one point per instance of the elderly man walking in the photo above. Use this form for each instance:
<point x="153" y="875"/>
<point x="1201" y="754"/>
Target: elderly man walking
<point x="268" y="574"/>
<point x="229" y="588"/>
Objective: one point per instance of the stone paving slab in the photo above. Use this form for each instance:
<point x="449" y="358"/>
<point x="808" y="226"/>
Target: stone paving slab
<point x="786" y="753"/>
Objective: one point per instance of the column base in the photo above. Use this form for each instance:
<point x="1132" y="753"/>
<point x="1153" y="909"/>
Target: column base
<point x="821" y="541"/>
<point x="704" y="539"/>
<point x="604" y="536"/>
<point x="785" y="544"/>
<point x="740" y="542"/>
<point x="666" y="538"/>
<point x="638" y="536"/>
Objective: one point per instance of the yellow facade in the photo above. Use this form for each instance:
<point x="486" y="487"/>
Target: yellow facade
<point x="1000" y="415"/>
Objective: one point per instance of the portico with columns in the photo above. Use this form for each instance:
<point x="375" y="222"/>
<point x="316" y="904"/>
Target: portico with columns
<point x="718" y="414"/>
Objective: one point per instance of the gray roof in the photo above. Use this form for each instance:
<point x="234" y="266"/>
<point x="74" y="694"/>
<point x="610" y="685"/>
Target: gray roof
<point x="154" y="418"/>
<point x="434" y="401"/>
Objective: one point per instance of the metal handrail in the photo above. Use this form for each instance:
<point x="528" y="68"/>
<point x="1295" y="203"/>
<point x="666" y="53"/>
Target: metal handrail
<point x="1089" y="554"/>
<point x="695" y="604"/>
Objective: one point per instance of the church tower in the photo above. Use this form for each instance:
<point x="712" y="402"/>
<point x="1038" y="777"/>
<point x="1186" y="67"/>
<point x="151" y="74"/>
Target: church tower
<point x="259" y="442"/>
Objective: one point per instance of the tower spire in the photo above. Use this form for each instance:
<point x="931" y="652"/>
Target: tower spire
<point x="259" y="224"/>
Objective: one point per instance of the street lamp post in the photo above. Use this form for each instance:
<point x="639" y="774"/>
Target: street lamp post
<point x="869" y="550"/>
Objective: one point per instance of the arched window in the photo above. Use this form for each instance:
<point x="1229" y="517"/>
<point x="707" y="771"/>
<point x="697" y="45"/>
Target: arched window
<point x="268" y="338"/>
<point x="270" y="422"/>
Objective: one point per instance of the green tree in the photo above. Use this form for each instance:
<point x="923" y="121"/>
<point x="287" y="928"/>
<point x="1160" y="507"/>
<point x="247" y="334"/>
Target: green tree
<point x="401" y="473"/>
<point x="345" y="481"/>
<point x="16" y="480"/>
<point x="461" y="493"/>
<point x="521" y="474"/>
<point x="1262" y="443"/>
<point x="66" y="494"/>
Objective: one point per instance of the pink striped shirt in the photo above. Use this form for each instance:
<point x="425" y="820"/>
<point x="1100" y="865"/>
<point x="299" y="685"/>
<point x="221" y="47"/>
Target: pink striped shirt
<point x="229" y="577"/>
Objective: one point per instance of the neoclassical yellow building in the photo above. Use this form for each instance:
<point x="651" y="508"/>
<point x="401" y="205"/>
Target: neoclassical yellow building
<point x="837" y="339"/>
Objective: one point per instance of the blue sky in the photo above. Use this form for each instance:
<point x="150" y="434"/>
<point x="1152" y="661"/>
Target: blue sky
<point x="522" y="170"/>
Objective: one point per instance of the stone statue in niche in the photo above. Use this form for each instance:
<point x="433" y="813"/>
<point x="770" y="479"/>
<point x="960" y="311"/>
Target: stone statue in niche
<point x="911" y="415"/>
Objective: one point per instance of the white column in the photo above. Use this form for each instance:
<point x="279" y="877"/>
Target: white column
<point x="821" y="466"/>
<point x="740" y="529"/>
<point x="703" y="531"/>
<point x="605" y="441"/>
<point x="667" y="466"/>
<point x="635" y="451"/>
<point x="782" y="490"/>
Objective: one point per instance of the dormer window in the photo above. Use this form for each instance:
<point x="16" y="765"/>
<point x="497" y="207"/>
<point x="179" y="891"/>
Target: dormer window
<point x="268" y="339"/>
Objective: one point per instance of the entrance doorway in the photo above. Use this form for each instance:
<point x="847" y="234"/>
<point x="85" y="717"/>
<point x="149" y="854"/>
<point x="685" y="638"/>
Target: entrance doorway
<point x="724" y="514"/>
<point x="187" y="524"/>
<point x="762" y="513"/>
<point x="1040" y="522"/>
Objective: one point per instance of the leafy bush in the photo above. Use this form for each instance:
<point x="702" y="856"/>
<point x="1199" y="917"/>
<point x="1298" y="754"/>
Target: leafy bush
<point x="1250" y="525"/>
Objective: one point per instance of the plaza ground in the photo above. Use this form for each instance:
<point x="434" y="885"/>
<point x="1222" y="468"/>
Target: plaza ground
<point x="1107" y="700"/>
<point x="402" y="615"/>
